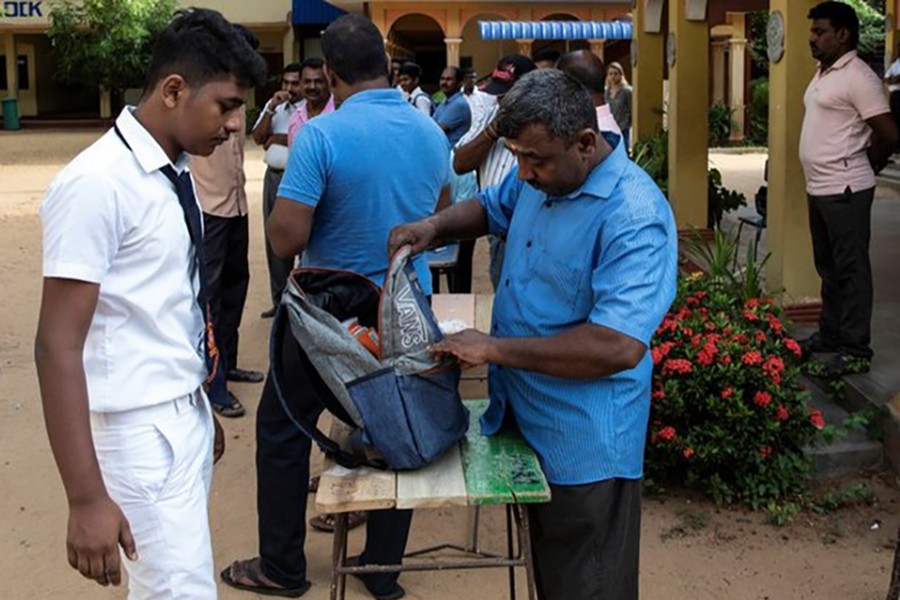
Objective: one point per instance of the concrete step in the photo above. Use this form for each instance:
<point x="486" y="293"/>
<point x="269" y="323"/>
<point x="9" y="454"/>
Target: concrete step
<point x="846" y="455"/>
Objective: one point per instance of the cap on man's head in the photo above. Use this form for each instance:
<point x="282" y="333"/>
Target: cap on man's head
<point x="509" y="70"/>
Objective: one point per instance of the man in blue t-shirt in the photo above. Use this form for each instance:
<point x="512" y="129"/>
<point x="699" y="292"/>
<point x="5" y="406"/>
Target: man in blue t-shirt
<point x="352" y="175"/>
<point x="453" y="114"/>
<point x="593" y="259"/>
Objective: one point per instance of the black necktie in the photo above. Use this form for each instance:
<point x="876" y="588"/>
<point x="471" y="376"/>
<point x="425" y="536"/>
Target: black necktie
<point x="193" y="220"/>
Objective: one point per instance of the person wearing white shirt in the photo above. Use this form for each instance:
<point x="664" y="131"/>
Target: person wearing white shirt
<point x="121" y="346"/>
<point x="483" y="149"/>
<point x="410" y="74"/>
<point x="271" y="132"/>
<point x="478" y="100"/>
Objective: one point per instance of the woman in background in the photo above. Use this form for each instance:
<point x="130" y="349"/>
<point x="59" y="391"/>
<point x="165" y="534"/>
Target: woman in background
<point x="618" y="96"/>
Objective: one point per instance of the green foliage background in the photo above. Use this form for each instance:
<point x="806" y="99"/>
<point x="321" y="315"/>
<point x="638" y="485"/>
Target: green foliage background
<point x="106" y="43"/>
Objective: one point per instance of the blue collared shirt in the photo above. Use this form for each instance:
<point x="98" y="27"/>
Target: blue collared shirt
<point x="455" y="115"/>
<point x="370" y="165"/>
<point x="604" y="254"/>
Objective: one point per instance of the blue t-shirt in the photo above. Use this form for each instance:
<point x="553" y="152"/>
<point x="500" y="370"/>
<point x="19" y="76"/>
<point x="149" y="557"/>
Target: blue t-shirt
<point x="454" y="114"/>
<point x="372" y="164"/>
<point x="604" y="254"/>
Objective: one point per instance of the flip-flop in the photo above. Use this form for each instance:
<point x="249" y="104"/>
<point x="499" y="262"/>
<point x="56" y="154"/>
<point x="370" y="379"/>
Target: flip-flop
<point x="235" y="410"/>
<point x="251" y="572"/>
<point x="325" y="522"/>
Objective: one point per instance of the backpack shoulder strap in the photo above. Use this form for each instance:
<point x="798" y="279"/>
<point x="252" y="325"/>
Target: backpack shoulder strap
<point x="329" y="447"/>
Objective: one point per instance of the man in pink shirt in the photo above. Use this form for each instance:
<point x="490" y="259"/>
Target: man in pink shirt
<point x="317" y="98"/>
<point x="847" y="137"/>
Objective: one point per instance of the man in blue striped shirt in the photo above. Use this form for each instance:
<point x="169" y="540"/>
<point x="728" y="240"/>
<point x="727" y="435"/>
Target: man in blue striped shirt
<point x="590" y="272"/>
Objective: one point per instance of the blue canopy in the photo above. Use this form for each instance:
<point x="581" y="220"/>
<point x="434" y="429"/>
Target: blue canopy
<point x="313" y="12"/>
<point x="554" y="30"/>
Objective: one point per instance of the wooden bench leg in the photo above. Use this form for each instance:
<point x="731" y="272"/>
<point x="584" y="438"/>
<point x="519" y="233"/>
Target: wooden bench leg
<point x="524" y="527"/>
<point x="339" y="557"/>
<point x="510" y="551"/>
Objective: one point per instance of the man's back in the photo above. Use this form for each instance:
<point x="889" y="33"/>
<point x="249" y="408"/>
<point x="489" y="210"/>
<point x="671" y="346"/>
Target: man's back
<point x="367" y="167"/>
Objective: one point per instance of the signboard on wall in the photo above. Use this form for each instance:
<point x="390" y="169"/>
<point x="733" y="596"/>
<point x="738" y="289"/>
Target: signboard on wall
<point x="22" y="9"/>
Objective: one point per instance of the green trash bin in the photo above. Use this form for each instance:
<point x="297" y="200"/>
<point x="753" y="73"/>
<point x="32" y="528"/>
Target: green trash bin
<point x="10" y="113"/>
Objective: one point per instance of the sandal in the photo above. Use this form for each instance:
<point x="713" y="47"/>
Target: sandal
<point x="235" y="410"/>
<point x="250" y="569"/>
<point x="325" y="522"/>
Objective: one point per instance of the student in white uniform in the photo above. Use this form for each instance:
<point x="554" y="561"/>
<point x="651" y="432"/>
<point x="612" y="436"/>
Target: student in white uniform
<point x="121" y="346"/>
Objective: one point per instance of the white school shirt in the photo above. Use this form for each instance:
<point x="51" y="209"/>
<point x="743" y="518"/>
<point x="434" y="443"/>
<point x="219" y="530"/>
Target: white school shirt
<point x="277" y="155"/>
<point x="111" y="217"/>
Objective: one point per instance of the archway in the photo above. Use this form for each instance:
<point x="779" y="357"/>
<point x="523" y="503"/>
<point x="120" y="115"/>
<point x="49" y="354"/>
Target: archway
<point x="482" y="55"/>
<point x="420" y="38"/>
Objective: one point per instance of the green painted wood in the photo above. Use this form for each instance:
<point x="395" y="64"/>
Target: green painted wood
<point x="500" y="469"/>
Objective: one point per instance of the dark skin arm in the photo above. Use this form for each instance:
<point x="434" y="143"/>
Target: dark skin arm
<point x="277" y="138"/>
<point x="585" y="351"/>
<point x="884" y="140"/>
<point x="463" y="221"/>
<point x="469" y="157"/>
<point x="262" y="133"/>
<point x="289" y="226"/>
<point x="96" y="524"/>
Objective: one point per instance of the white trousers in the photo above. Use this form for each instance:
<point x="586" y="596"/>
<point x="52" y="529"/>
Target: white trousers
<point x="157" y="466"/>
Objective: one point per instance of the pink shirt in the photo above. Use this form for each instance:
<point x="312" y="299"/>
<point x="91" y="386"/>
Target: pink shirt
<point x="835" y="135"/>
<point x="606" y="121"/>
<point x="301" y="116"/>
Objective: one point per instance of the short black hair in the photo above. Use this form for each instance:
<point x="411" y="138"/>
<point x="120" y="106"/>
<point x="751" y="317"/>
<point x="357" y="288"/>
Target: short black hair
<point x="841" y="16"/>
<point x="411" y="69"/>
<point x="586" y="67"/>
<point x="354" y="49"/>
<point x="293" y="67"/>
<point x="547" y="54"/>
<point x="202" y="46"/>
<point x="457" y="72"/>
<point x="313" y="62"/>
<point x="248" y="35"/>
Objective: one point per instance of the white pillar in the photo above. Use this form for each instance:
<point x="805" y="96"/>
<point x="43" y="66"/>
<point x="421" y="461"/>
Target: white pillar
<point x="289" y="48"/>
<point x="105" y="103"/>
<point x="453" y="45"/>
<point x="718" y="74"/>
<point x="737" y="97"/>
<point x="12" y="70"/>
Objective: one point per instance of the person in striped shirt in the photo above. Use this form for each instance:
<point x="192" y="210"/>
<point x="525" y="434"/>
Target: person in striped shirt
<point x="483" y="149"/>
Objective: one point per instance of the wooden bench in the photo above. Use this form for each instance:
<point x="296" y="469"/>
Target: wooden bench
<point x="500" y="469"/>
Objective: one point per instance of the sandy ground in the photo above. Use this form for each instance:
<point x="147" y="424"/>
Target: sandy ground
<point x="691" y="549"/>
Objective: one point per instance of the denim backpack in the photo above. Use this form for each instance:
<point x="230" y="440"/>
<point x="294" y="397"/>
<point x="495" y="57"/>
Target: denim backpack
<point x="402" y="404"/>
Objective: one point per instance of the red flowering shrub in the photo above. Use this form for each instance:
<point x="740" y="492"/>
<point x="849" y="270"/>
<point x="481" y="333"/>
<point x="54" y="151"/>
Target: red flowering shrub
<point x="728" y="413"/>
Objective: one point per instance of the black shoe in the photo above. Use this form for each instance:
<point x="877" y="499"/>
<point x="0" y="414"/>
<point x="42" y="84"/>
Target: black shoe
<point x="244" y="376"/>
<point x="815" y="344"/>
<point x="268" y="314"/>
<point x="394" y="592"/>
<point x="846" y="364"/>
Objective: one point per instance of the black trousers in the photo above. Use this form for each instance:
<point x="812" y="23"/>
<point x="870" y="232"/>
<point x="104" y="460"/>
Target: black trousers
<point x="463" y="277"/>
<point x="226" y="243"/>
<point x="282" y="471"/>
<point x="279" y="268"/>
<point x="841" y="228"/>
<point x="586" y="541"/>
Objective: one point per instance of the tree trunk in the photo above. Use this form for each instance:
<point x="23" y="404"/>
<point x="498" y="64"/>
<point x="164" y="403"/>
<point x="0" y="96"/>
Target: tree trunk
<point x="894" y="590"/>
